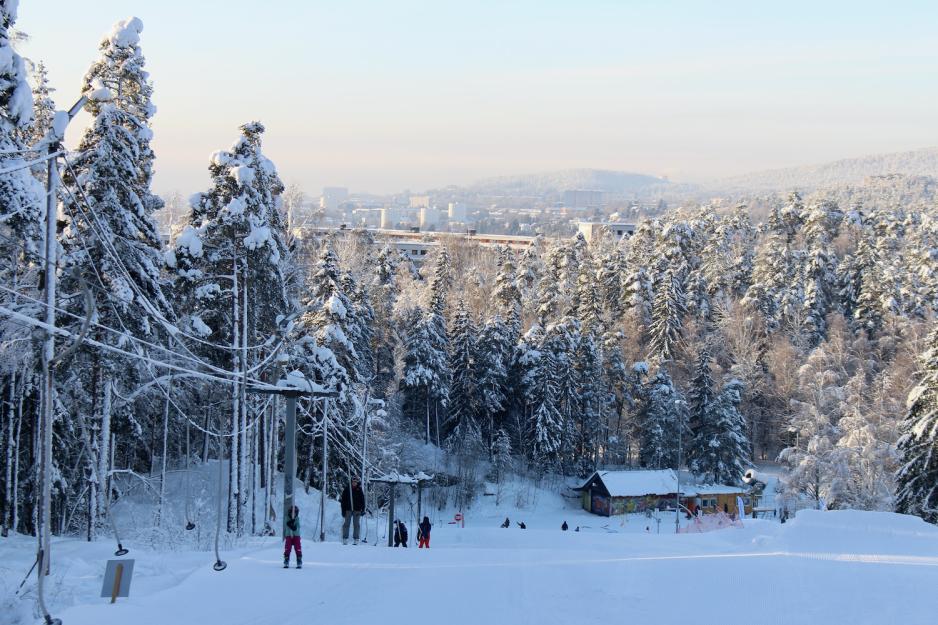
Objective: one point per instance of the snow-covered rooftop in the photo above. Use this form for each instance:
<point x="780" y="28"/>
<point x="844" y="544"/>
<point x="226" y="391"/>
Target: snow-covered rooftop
<point x="636" y="483"/>
<point x="658" y="482"/>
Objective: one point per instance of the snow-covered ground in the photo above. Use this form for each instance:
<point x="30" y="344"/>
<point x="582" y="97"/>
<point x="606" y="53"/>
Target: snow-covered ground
<point x="822" y="567"/>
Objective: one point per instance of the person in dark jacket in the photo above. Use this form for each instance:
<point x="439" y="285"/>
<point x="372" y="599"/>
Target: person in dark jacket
<point x="400" y="534"/>
<point x="291" y="538"/>
<point x="353" y="506"/>
<point x="507" y="523"/>
<point x="522" y="525"/>
<point x="565" y="527"/>
<point x="423" y="533"/>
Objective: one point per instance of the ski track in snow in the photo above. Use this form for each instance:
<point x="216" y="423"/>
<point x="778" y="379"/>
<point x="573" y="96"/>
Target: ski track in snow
<point x="464" y="580"/>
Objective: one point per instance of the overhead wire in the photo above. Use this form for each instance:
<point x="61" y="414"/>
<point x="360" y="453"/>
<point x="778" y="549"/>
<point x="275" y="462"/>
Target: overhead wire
<point x="132" y="282"/>
<point x="29" y="164"/>
<point x="152" y="309"/>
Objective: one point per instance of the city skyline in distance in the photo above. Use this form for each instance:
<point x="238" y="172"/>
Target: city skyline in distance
<point x="379" y="97"/>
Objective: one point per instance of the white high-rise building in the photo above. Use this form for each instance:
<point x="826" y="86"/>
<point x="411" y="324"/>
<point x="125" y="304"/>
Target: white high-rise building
<point x="457" y="211"/>
<point x="430" y="217"/>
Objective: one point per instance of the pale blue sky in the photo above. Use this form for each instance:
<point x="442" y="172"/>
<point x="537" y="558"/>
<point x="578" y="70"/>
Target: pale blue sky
<point x="381" y="96"/>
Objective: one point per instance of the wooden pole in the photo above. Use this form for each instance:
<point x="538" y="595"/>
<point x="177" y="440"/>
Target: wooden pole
<point x="117" y="582"/>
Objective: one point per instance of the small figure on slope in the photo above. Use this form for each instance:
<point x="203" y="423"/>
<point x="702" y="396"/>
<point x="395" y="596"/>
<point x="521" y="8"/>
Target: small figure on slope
<point x="353" y="505"/>
<point x="507" y="523"/>
<point x="565" y="527"/>
<point x="423" y="533"/>
<point x="291" y="538"/>
<point x="400" y="534"/>
<point x="522" y="525"/>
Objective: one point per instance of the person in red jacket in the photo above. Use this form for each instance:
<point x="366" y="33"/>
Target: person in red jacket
<point x="423" y="533"/>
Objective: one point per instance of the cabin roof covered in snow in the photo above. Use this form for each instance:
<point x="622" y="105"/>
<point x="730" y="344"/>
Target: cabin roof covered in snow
<point x="647" y="482"/>
<point x="634" y="483"/>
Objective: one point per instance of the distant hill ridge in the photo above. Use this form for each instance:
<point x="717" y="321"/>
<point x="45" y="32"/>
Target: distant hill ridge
<point x="923" y="162"/>
<point x="615" y="182"/>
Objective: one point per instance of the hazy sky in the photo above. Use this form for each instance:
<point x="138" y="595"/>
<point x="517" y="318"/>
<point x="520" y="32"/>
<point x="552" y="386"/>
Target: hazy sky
<point x="382" y="96"/>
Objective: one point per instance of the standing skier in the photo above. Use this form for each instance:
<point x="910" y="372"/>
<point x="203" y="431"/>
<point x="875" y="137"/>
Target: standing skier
<point x="423" y="533"/>
<point x="353" y="505"/>
<point x="291" y="539"/>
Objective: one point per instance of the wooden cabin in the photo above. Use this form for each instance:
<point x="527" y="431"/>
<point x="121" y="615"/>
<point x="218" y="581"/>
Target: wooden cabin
<point x="610" y="493"/>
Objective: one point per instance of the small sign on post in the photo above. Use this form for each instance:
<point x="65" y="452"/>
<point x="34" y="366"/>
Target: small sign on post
<point x="459" y="519"/>
<point x="117" y="579"/>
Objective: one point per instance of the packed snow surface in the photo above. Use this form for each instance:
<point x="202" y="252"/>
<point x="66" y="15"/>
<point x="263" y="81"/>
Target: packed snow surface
<point x="821" y="567"/>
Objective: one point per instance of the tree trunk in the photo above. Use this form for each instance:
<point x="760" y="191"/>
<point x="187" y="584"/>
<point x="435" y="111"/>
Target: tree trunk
<point x="104" y="443"/>
<point x="234" y="499"/>
<point x="159" y="509"/>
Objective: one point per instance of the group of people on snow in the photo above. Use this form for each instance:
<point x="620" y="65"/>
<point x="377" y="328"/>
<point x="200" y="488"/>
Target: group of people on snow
<point x="423" y="533"/>
<point x="353" y="507"/>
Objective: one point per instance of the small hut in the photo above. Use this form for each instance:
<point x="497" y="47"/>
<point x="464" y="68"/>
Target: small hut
<point x="619" y="492"/>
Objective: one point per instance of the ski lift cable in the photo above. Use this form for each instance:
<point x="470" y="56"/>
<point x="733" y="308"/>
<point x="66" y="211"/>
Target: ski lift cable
<point x="123" y="334"/>
<point x="191" y="421"/>
<point x="110" y="348"/>
<point x="31" y="163"/>
<point x="149" y="306"/>
<point x="342" y="443"/>
<point x="117" y="314"/>
<point x="63" y="332"/>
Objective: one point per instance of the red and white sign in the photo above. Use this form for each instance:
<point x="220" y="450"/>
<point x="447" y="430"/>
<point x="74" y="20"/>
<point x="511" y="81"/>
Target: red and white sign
<point x="459" y="519"/>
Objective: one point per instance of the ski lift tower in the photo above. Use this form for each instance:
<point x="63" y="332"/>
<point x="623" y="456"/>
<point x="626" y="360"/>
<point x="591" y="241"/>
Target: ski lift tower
<point x="292" y="386"/>
<point x="393" y="479"/>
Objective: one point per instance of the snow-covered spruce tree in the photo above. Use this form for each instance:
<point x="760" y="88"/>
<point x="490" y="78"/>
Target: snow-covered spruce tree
<point x="43" y="115"/>
<point x="819" y="274"/>
<point x="332" y="316"/>
<point x="21" y="207"/>
<point x="638" y="288"/>
<point x="329" y="315"/>
<point x="663" y="423"/>
<point x="524" y="371"/>
<point x="384" y="292"/>
<point x="531" y="271"/>
<point x="548" y="423"/>
<point x="611" y="274"/>
<point x="589" y="304"/>
<point x="701" y="230"/>
<point x="492" y="360"/>
<point x="440" y="284"/>
<point x="742" y="241"/>
<point x="615" y="381"/>
<point x="501" y="455"/>
<point x="702" y="417"/>
<point x="554" y="288"/>
<point x="589" y="410"/>
<point x="463" y="392"/>
<point x="726" y="454"/>
<point x="775" y="290"/>
<point x="230" y="282"/>
<point x="362" y="331"/>
<point x="425" y="373"/>
<point x="507" y="292"/>
<point x="917" y="477"/>
<point x="667" y="316"/>
<point x="112" y="245"/>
